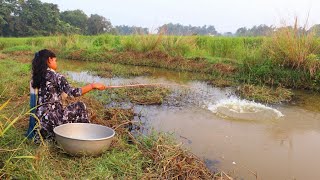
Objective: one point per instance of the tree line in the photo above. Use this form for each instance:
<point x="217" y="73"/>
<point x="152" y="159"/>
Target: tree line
<point x="264" y="30"/>
<point x="33" y="18"/>
<point x="19" y="18"/>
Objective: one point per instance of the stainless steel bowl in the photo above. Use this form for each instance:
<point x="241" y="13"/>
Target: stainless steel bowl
<point x="84" y="138"/>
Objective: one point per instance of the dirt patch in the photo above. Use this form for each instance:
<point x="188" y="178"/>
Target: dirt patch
<point x="23" y="59"/>
<point x="3" y="56"/>
<point x="21" y="53"/>
<point x="77" y="54"/>
<point x="198" y="59"/>
<point x="156" y="55"/>
<point x="220" y="82"/>
<point x="225" y="68"/>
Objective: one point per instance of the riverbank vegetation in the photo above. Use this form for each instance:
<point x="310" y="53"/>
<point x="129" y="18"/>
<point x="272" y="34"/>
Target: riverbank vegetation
<point x="139" y="156"/>
<point x="288" y="58"/>
<point x="264" y="94"/>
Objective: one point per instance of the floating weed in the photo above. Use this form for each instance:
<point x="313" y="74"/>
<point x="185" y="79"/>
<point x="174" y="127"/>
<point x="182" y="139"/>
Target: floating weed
<point x="148" y="95"/>
<point x="116" y="70"/>
<point x="265" y="94"/>
<point x="138" y="95"/>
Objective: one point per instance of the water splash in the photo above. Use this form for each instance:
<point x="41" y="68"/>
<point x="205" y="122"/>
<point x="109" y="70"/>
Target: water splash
<point x="235" y="108"/>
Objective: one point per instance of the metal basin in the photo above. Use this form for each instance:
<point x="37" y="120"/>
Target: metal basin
<point x="84" y="138"/>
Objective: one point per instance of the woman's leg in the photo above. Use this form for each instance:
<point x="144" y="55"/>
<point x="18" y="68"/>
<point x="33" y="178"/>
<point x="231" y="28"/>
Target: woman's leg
<point x="76" y="113"/>
<point x="48" y="122"/>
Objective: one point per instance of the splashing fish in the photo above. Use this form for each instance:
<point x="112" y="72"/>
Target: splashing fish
<point x="235" y="108"/>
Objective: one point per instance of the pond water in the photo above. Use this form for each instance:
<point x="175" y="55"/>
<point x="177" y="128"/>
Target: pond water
<point x="267" y="142"/>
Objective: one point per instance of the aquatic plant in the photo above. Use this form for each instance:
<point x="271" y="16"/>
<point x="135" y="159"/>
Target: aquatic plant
<point x="265" y="94"/>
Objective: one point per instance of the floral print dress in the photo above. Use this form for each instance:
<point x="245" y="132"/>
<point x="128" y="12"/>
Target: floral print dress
<point x="50" y="110"/>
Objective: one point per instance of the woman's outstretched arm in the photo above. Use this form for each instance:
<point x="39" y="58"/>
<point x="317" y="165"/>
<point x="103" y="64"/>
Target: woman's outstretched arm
<point x="92" y="86"/>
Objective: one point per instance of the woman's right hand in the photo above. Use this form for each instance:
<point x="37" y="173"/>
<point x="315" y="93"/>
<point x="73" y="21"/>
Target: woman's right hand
<point x="98" y="86"/>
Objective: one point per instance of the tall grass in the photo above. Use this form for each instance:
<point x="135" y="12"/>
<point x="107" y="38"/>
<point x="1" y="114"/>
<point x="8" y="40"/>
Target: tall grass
<point x="236" y="48"/>
<point x="294" y="47"/>
<point x="11" y="156"/>
<point x="267" y="60"/>
<point x="14" y="79"/>
<point x="240" y="48"/>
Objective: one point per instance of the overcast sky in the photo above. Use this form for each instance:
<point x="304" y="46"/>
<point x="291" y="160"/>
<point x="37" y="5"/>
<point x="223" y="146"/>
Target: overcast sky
<point x="225" y="15"/>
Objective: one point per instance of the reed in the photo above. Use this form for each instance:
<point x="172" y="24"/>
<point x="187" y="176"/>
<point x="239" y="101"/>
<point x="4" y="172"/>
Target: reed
<point x="294" y="47"/>
<point x="11" y="155"/>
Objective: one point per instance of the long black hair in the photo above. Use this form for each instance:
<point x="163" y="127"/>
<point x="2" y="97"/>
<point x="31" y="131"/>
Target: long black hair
<point x="40" y="66"/>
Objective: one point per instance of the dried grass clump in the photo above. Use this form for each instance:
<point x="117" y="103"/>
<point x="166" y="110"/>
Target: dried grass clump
<point x="170" y="161"/>
<point x="220" y="82"/>
<point x="148" y="95"/>
<point x="265" y="94"/>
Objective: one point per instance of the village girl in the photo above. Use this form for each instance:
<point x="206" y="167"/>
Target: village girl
<point x="47" y="85"/>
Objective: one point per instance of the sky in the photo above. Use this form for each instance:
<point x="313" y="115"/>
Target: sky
<point x="224" y="15"/>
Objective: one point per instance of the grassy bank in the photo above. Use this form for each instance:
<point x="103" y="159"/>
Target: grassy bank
<point x="139" y="157"/>
<point x="287" y="58"/>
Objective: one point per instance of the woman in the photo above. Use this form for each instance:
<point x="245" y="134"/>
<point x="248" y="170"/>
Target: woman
<point x="50" y="85"/>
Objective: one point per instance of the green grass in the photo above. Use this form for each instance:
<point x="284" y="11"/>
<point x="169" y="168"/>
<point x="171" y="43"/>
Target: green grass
<point x="266" y="73"/>
<point x="17" y="48"/>
<point x="47" y="161"/>
<point x="52" y="162"/>
<point x="186" y="46"/>
<point x="14" y="81"/>
<point x="295" y="48"/>
<point x="22" y="159"/>
<point x="257" y="60"/>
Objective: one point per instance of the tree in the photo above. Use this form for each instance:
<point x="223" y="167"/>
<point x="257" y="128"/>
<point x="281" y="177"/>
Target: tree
<point x="242" y="31"/>
<point x="229" y="34"/>
<point x="66" y="28"/>
<point x="76" y="18"/>
<point x="178" y="29"/>
<point x="98" y="24"/>
<point x="126" y="30"/>
<point x="36" y="18"/>
<point x="315" y="29"/>
<point x="7" y="8"/>
<point x="32" y="17"/>
<point x="261" y="30"/>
